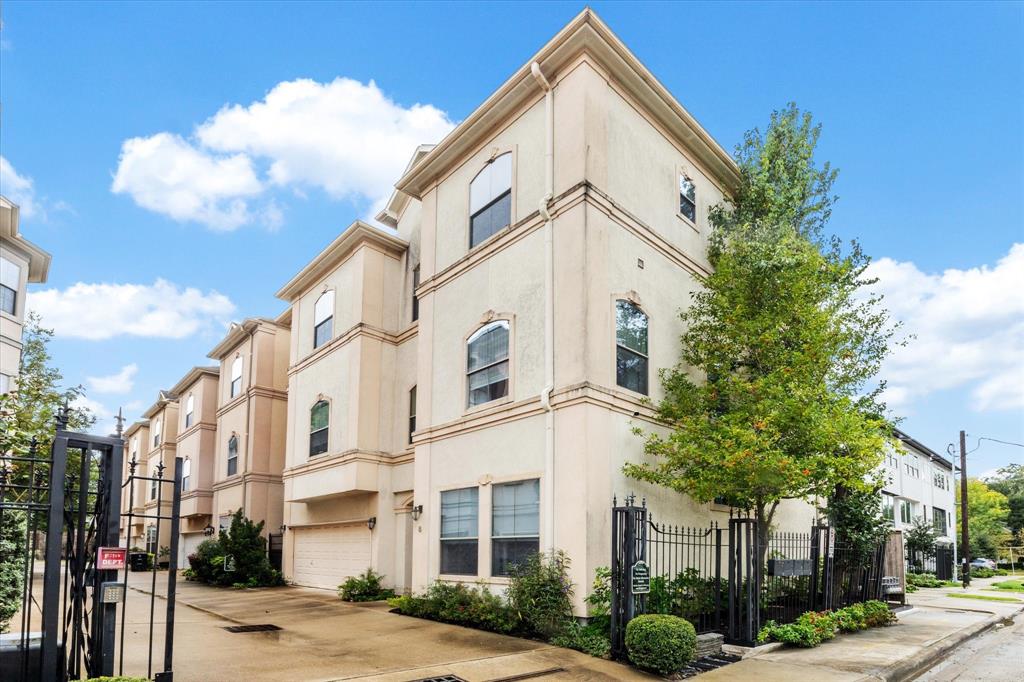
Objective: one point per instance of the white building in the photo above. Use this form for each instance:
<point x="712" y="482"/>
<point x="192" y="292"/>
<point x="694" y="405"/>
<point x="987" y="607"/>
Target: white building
<point x="919" y="484"/>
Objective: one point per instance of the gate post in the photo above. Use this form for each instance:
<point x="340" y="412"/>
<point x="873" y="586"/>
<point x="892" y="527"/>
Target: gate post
<point x="111" y="477"/>
<point x="172" y="575"/>
<point x="52" y="566"/>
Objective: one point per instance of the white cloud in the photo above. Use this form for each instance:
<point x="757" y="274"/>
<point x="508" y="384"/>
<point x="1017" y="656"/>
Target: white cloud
<point x="122" y="382"/>
<point x="166" y="174"/>
<point x="969" y="327"/>
<point x="18" y="188"/>
<point x="344" y="137"/>
<point x="102" y="311"/>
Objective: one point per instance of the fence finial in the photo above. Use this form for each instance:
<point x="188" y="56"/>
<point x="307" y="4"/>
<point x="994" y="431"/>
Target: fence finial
<point x="62" y="416"/>
<point x="120" y="422"/>
<point x="643" y="501"/>
<point x="615" y="500"/>
<point x="160" y="470"/>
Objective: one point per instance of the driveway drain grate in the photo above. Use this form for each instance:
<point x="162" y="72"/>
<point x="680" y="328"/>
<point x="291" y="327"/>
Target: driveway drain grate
<point x="264" y="627"/>
<point x="442" y="678"/>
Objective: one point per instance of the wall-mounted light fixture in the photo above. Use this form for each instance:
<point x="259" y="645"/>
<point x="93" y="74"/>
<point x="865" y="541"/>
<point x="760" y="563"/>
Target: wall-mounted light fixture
<point x="371" y="522"/>
<point x="208" y="530"/>
<point x="416" y="511"/>
<point x="283" y="528"/>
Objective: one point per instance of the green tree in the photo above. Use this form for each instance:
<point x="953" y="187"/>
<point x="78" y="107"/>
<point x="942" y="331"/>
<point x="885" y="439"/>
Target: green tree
<point x="856" y="514"/>
<point x="773" y="399"/>
<point x="987" y="514"/>
<point x="1010" y="482"/>
<point x="919" y="541"/>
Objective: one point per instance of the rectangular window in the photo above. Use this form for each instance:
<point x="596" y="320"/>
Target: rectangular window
<point x="888" y="508"/>
<point x="412" y="412"/>
<point x="630" y="347"/>
<point x="224" y="522"/>
<point x="10" y="280"/>
<point x="939" y="520"/>
<point x="491" y="218"/>
<point x="156" y="433"/>
<point x="322" y="332"/>
<point x="186" y="475"/>
<point x="906" y="512"/>
<point x="415" y="299"/>
<point x="151" y="539"/>
<point x="319" y="421"/>
<point x="153" y="485"/>
<point x="515" y="520"/>
<point x="912" y="467"/>
<point x="687" y="198"/>
<point x="459" y="513"/>
<point x="5" y="384"/>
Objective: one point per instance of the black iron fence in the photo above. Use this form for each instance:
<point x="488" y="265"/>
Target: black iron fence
<point x="938" y="561"/>
<point x="728" y="581"/>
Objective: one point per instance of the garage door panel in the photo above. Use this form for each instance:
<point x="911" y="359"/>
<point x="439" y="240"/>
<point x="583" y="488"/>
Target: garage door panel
<point x="325" y="557"/>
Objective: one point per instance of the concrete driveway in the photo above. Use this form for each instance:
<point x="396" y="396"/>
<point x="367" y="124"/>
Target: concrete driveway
<point x="323" y="638"/>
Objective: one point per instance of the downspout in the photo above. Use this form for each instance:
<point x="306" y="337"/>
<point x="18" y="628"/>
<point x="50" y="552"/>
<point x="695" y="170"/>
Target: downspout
<point x="248" y="426"/>
<point x="548" y="494"/>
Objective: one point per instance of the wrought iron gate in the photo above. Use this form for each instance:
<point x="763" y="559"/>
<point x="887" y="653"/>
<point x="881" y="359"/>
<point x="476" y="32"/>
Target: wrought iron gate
<point x="66" y="505"/>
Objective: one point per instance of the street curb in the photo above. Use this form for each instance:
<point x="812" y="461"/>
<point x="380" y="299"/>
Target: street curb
<point x="907" y="668"/>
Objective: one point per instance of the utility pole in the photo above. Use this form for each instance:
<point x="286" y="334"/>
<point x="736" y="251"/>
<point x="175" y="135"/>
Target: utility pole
<point x="965" y="551"/>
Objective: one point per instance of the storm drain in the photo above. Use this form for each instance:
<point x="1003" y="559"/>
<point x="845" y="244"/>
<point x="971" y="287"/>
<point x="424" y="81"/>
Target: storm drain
<point x="442" y="678"/>
<point x="706" y="664"/>
<point x="263" y="627"/>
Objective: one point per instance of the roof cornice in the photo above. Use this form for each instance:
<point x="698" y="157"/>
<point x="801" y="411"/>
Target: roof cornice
<point x="165" y="398"/>
<point x="237" y="332"/>
<point x="357" y="234"/>
<point x="922" y="448"/>
<point x="38" y="259"/>
<point x="136" y="426"/>
<point x="193" y="376"/>
<point x="585" y="33"/>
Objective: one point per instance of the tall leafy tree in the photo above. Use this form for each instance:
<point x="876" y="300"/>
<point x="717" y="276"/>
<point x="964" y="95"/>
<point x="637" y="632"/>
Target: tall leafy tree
<point x="987" y="513"/>
<point x="1010" y="482"/>
<point x="773" y="398"/>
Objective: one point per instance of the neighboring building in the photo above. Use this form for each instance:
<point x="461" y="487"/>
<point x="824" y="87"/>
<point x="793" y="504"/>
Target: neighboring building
<point x="251" y="412"/>
<point x="197" y="447"/>
<point x="463" y="391"/>
<point x="21" y="263"/>
<point x="136" y="448"/>
<point x="160" y="447"/>
<point x="919" y="484"/>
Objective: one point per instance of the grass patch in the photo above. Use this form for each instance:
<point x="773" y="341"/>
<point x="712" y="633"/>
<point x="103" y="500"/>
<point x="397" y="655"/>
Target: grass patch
<point x="983" y="597"/>
<point x="1008" y="586"/>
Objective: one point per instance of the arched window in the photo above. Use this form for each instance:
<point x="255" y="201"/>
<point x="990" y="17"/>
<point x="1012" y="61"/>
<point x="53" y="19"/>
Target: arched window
<point x="232" y="455"/>
<point x="487" y="366"/>
<point x="323" y="319"/>
<point x="319" y="426"/>
<point x="186" y="474"/>
<point x="687" y="198"/>
<point x="190" y="405"/>
<point x="490" y="199"/>
<point x="236" y="376"/>
<point x="630" y="347"/>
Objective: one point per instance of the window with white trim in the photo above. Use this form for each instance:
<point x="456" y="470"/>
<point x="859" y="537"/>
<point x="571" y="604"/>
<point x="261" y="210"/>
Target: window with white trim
<point x="5" y="384"/>
<point x="515" y="524"/>
<point x="630" y="347"/>
<point x="415" y="299"/>
<point x="906" y="511"/>
<point x="10" y="281"/>
<point x="888" y="507"/>
<point x="323" y="318"/>
<point x="412" y="412"/>
<point x="232" y="455"/>
<point x="186" y="474"/>
<point x="459" y="522"/>
<point x="687" y="198"/>
<point x="156" y="432"/>
<point x="487" y="363"/>
<point x="490" y="199"/>
<point x="153" y="483"/>
<point x="190" y="406"/>
<point x="236" y="377"/>
<point x="319" y="427"/>
<point x="913" y="466"/>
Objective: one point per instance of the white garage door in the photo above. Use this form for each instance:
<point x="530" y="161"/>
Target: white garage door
<point x="187" y="544"/>
<point x="325" y="556"/>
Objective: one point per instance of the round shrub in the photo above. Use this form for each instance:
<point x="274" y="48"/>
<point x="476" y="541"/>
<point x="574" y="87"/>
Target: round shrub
<point x="660" y="643"/>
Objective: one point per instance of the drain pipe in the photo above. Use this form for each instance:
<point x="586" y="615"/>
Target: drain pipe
<point x="548" y="493"/>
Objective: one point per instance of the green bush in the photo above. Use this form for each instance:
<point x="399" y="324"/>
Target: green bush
<point x="243" y="542"/>
<point x="462" y="605"/>
<point x="981" y="572"/>
<point x="12" y="565"/>
<point x="540" y="593"/>
<point x="878" y="614"/>
<point x="660" y="643"/>
<point x="365" y="587"/>
<point x="687" y="595"/>
<point x="592" y="639"/>
<point x="851" y="619"/>
<point x="201" y="562"/>
<point x="599" y="601"/>
<point x="793" y="634"/>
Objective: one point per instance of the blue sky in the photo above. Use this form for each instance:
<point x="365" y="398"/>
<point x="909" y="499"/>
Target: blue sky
<point x="921" y="106"/>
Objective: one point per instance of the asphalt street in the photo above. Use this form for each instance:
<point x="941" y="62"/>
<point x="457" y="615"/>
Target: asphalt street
<point x="996" y="656"/>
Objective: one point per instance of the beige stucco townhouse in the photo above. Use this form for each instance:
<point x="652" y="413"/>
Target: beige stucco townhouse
<point x="251" y="408"/>
<point x="160" y="448"/>
<point x="21" y="263"/>
<point x="197" y="395"/>
<point x="133" y="499"/>
<point x="462" y="387"/>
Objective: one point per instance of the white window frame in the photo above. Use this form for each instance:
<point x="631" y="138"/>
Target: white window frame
<point x="495" y="191"/>
<point x="230" y="458"/>
<point x="157" y="424"/>
<point x="190" y="406"/>
<point x="524" y="536"/>
<point x="645" y="357"/>
<point x="186" y="474"/>
<point x="475" y="537"/>
<point x="326" y="427"/>
<point x="323" y="314"/>
<point x="475" y="336"/>
<point x="10" y="279"/>
<point x="235" y="387"/>
<point x="687" y="176"/>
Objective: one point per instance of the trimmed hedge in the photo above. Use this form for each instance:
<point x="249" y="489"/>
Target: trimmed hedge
<point x="660" y="643"/>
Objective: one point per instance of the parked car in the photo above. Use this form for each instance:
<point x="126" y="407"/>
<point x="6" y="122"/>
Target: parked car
<point x="982" y="562"/>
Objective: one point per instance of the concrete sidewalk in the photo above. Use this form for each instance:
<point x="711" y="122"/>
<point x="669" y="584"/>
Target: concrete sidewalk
<point x="932" y="628"/>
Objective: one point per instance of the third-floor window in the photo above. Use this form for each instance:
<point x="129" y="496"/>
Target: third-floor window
<point x="630" y="347"/>
<point x="687" y="198"/>
<point x="487" y="363"/>
<point x="10" y="279"/>
<point x="323" y="319"/>
<point x="490" y="199"/>
<point x="319" y="425"/>
<point x="190" y="406"/>
<point x="236" y="376"/>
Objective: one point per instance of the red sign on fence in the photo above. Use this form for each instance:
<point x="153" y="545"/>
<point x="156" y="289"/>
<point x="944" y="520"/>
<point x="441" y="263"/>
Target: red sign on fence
<point x="111" y="558"/>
